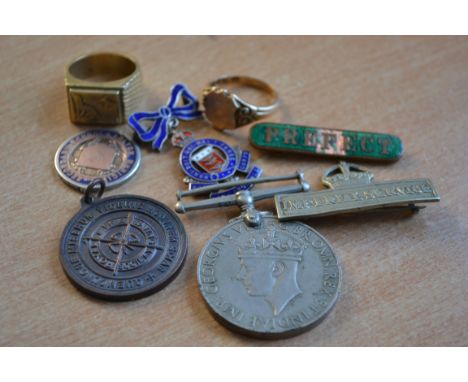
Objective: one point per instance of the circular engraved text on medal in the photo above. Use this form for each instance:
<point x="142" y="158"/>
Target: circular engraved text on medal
<point x="96" y="154"/>
<point x="123" y="247"/>
<point x="272" y="281"/>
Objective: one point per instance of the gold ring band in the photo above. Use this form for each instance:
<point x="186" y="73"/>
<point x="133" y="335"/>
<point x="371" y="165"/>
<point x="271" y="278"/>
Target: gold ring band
<point x="102" y="88"/>
<point x="226" y="110"/>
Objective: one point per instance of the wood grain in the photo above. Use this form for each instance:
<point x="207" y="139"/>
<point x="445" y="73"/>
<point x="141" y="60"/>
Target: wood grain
<point x="405" y="278"/>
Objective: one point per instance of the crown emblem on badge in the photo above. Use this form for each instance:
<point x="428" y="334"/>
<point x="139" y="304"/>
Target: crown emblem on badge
<point x="269" y="243"/>
<point x="346" y="174"/>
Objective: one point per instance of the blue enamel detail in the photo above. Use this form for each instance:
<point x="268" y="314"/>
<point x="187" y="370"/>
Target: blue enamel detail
<point x="159" y="131"/>
<point x="194" y="186"/>
<point x="201" y="176"/>
<point x="244" y="162"/>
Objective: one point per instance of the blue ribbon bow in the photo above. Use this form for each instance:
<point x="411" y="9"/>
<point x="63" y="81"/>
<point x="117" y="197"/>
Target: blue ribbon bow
<point x="160" y="131"/>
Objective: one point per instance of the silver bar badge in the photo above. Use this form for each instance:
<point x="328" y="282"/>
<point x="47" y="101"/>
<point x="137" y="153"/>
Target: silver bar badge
<point x="352" y="189"/>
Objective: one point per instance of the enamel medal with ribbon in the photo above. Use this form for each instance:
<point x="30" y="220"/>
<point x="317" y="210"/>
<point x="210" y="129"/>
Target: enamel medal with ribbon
<point x="205" y="161"/>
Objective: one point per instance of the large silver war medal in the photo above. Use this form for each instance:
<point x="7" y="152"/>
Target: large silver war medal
<point x="261" y="277"/>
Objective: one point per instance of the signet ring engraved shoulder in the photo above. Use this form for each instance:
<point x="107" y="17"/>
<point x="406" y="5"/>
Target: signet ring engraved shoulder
<point x="102" y="88"/>
<point x="226" y="110"/>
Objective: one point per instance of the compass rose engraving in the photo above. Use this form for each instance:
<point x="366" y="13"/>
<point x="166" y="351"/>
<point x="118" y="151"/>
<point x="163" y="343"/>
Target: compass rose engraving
<point x="123" y="244"/>
<point x="122" y="247"/>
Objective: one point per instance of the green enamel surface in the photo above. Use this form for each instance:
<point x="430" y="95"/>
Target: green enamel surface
<point x="326" y="142"/>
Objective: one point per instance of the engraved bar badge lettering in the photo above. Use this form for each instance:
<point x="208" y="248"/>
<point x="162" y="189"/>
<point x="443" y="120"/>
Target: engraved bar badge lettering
<point x="122" y="247"/>
<point x="352" y="189"/>
<point x="326" y="142"/>
<point x="258" y="276"/>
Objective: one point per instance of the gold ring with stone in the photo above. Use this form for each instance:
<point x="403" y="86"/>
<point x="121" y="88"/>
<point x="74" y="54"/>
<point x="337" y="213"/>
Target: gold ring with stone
<point x="226" y="110"/>
<point x="102" y="88"/>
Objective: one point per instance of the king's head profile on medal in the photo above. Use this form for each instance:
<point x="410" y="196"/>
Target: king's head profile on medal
<point x="269" y="263"/>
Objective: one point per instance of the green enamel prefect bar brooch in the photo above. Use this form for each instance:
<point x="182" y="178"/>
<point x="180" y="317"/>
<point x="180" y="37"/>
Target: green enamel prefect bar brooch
<point x="326" y="142"/>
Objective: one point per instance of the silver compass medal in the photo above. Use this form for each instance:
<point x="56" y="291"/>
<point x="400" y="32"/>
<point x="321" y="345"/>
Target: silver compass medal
<point x="122" y="247"/>
<point x="262" y="277"/>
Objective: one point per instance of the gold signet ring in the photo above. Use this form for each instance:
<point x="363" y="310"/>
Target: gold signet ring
<point x="226" y="110"/>
<point x="102" y="88"/>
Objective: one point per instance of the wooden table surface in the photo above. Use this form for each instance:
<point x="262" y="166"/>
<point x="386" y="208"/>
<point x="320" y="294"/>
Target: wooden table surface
<point x="404" y="278"/>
